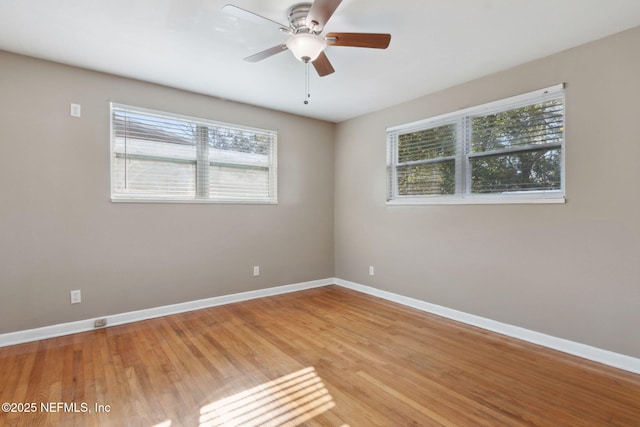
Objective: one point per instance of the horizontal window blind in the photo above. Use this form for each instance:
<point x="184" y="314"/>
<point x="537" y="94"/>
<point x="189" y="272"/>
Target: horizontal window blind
<point x="437" y="142"/>
<point x="426" y="161"/>
<point x="509" y="147"/>
<point x="162" y="156"/>
<point x="518" y="149"/>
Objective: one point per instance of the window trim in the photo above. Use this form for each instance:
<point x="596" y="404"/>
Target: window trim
<point x="197" y="199"/>
<point x="463" y="170"/>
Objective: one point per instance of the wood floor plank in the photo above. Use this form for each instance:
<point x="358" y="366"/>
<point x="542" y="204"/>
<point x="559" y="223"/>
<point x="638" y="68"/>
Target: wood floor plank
<point x="322" y="357"/>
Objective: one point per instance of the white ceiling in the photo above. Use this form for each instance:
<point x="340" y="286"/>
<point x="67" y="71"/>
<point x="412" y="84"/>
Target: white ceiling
<point x="195" y="45"/>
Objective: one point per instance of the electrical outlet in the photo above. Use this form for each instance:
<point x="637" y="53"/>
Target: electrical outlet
<point x="256" y="270"/>
<point x="76" y="297"/>
<point x="100" y="323"/>
<point x="372" y="271"/>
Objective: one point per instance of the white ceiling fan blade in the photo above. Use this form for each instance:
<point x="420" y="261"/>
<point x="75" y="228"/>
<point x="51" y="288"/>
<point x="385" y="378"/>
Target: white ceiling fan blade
<point x="246" y="15"/>
<point x="266" y="53"/>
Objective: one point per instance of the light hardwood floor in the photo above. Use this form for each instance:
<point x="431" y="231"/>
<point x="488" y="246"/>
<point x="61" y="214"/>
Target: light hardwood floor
<point x="322" y="357"/>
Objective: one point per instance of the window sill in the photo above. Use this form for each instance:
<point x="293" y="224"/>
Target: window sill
<point x="193" y="201"/>
<point x="488" y="200"/>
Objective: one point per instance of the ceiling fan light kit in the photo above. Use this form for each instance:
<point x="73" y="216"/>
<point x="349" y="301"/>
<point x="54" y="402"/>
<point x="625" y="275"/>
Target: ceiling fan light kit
<point x="306" y="47"/>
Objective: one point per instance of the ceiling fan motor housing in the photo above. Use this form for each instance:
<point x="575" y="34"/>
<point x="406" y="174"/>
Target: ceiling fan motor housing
<point x="298" y="17"/>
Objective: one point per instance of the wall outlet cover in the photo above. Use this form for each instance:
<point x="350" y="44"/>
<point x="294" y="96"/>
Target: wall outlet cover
<point x="76" y="297"/>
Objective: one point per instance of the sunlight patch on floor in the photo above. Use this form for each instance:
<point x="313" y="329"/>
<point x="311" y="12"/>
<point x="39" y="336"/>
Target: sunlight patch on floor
<point x="287" y="401"/>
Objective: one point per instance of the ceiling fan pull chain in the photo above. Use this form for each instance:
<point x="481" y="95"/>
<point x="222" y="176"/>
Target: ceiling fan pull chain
<point x="307" y="93"/>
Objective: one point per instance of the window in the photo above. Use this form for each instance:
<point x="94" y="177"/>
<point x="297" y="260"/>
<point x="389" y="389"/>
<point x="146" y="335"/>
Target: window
<point x="158" y="156"/>
<point x="509" y="151"/>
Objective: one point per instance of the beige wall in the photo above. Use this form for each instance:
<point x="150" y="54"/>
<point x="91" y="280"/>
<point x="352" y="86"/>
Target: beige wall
<point x="572" y="270"/>
<point x="59" y="231"/>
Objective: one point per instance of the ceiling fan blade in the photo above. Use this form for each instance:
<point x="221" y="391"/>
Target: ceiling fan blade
<point x="266" y="53"/>
<point x="322" y="65"/>
<point x="321" y="11"/>
<point x="370" y="40"/>
<point x="244" y="14"/>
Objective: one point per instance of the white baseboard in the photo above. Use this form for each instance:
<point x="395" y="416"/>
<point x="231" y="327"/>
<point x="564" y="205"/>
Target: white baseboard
<point x="52" y="331"/>
<point x="595" y="354"/>
<point x="605" y="357"/>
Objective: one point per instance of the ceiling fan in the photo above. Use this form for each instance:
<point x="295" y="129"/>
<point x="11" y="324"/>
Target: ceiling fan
<point x="306" y="42"/>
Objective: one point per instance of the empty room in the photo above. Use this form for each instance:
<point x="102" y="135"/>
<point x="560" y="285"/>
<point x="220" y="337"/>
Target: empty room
<point x="334" y="213"/>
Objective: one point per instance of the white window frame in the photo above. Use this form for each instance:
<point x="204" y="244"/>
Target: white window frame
<point x="202" y="163"/>
<point x="462" y="119"/>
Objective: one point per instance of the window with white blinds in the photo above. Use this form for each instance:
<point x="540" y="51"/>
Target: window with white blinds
<point x="503" y="152"/>
<point x="158" y="156"/>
